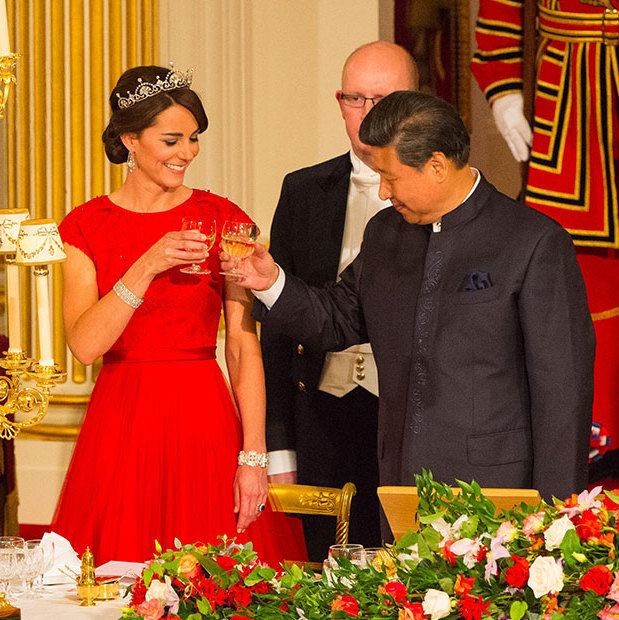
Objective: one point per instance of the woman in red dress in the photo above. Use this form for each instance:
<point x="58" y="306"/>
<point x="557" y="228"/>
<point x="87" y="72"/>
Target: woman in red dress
<point x="156" y="458"/>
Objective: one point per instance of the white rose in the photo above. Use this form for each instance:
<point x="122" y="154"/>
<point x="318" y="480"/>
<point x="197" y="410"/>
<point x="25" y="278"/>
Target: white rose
<point x="164" y="592"/>
<point x="436" y="604"/>
<point x="554" y="533"/>
<point x="545" y="576"/>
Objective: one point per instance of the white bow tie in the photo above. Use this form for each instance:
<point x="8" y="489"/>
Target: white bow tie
<point x="364" y="181"/>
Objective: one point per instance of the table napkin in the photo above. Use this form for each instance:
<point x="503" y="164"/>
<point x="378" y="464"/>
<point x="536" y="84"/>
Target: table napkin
<point x="64" y="556"/>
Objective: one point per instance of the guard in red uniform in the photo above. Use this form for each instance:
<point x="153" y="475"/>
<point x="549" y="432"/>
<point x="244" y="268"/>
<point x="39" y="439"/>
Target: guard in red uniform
<point x="572" y="148"/>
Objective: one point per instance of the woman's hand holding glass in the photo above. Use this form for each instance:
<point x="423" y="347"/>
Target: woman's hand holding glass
<point x="208" y="228"/>
<point x="238" y="242"/>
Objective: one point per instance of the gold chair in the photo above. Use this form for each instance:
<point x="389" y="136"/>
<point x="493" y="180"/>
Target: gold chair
<point x="312" y="500"/>
<point x="400" y="504"/>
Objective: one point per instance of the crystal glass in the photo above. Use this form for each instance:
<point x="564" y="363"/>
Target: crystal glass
<point x="344" y="552"/>
<point x="208" y="228"/>
<point x="11" y="547"/>
<point x="48" y="551"/>
<point x="237" y="240"/>
<point x="30" y="565"/>
<point x="376" y="557"/>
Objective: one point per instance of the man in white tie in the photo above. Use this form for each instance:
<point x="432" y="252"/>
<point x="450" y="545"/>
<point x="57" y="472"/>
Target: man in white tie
<point x="322" y="410"/>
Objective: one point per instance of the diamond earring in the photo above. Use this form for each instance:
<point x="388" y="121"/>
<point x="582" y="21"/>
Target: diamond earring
<point x="131" y="165"/>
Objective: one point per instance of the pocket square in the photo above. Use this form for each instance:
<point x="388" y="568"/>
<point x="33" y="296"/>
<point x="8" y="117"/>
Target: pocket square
<point x="477" y="281"/>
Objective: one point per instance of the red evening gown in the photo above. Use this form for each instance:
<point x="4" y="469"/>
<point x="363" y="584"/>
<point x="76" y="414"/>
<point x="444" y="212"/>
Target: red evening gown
<point x="156" y="456"/>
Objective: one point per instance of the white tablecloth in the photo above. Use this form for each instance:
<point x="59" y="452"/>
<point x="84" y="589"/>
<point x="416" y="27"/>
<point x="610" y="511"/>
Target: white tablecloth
<point x="61" y="603"/>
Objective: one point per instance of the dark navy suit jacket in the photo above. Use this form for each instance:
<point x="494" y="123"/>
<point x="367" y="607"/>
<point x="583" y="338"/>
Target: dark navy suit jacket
<point x="492" y="383"/>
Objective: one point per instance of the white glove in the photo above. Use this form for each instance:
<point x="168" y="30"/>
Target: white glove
<point x="514" y="127"/>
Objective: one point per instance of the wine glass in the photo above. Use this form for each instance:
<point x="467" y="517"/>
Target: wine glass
<point x="237" y="240"/>
<point x="31" y="566"/>
<point x="10" y="548"/>
<point x="345" y="552"/>
<point x="206" y="227"/>
<point x="48" y="551"/>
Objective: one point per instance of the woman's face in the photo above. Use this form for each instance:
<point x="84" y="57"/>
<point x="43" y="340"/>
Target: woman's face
<point x="163" y="152"/>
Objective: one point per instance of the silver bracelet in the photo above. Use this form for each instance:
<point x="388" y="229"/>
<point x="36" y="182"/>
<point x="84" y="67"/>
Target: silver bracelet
<point x="253" y="459"/>
<point x="129" y="297"/>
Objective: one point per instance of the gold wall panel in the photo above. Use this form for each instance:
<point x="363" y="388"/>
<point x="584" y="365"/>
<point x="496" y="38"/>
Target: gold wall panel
<point x="56" y="115"/>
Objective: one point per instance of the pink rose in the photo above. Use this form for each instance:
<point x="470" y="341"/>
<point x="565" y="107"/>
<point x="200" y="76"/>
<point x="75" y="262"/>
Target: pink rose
<point x="609" y="613"/>
<point x="151" y="610"/>
<point x="188" y="566"/>
<point x="613" y="594"/>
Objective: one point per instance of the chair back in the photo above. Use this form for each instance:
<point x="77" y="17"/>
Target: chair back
<point x="400" y="504"/>
<point x="307" y="499"/>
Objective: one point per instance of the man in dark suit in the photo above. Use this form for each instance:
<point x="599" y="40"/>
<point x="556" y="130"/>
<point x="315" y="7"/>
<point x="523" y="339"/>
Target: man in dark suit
<point x="322" y="411"/>
<point x="475" y="308"/>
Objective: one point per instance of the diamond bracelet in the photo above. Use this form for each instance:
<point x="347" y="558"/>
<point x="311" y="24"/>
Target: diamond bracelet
<point x="129" y="297"/>
<point x="253" y="458"/>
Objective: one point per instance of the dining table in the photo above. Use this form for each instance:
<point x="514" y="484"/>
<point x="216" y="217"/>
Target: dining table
<point x="61" y="603"/>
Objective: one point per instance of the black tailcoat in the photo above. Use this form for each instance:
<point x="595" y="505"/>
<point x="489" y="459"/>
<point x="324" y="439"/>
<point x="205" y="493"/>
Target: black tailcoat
<point x="335" y="438"/>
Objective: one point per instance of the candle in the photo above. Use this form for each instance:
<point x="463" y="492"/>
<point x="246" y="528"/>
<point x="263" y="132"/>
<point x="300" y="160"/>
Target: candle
<point x="44" y="318"/>
<point x="14" y="307"/>
<point x="5" y="44"/>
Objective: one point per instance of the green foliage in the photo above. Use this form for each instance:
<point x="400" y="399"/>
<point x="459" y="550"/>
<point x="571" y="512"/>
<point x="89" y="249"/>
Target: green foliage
<point x="464" y="551"/>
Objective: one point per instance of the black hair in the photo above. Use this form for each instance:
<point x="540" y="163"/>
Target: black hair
<point x="417" y="124"/>
<point x="143" y="114"/>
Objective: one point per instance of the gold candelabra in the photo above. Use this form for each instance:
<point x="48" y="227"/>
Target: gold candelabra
<point x="25" y="242"/>
<point x="28" y="401"/>
<point x="36" y="243"/>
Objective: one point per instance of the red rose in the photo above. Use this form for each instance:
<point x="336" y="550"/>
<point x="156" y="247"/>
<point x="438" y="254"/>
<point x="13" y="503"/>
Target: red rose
<point x="598" y="579"/>
<point x="473" y="608"/>
<point x="348" y="604"/>
<point x="239" y="595"/>
<point x="518" y="574"/>
<point x="463" y="584"/>
<point x="396" y="590"/>
<point x="411" y="611"/>
<point x="225" y="562"/>
<point x="588" y="525"/>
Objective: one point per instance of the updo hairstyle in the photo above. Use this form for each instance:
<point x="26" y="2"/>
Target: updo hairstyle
<point x="143" y="114"/>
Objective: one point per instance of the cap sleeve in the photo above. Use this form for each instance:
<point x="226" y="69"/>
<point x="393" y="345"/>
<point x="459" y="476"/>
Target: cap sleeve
<point x="73" y="231"/>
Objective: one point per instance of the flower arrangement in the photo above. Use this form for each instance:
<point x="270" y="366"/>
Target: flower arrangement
<point x="466" y="561"/>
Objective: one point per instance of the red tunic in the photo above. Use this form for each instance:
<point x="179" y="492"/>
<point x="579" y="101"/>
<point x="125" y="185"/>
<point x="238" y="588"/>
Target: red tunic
<point x="573" y="171"/>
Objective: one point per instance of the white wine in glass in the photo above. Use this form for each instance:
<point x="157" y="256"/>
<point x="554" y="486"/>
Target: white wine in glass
<point x="208" y="228"/>
<point x="237" y="240"/>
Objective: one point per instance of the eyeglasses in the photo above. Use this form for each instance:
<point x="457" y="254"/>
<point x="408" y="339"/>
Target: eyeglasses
<point x="357" y="101"/>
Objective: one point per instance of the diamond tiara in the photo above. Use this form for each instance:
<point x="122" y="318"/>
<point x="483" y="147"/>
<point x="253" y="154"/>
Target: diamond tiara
<point x="173" y="80"/>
